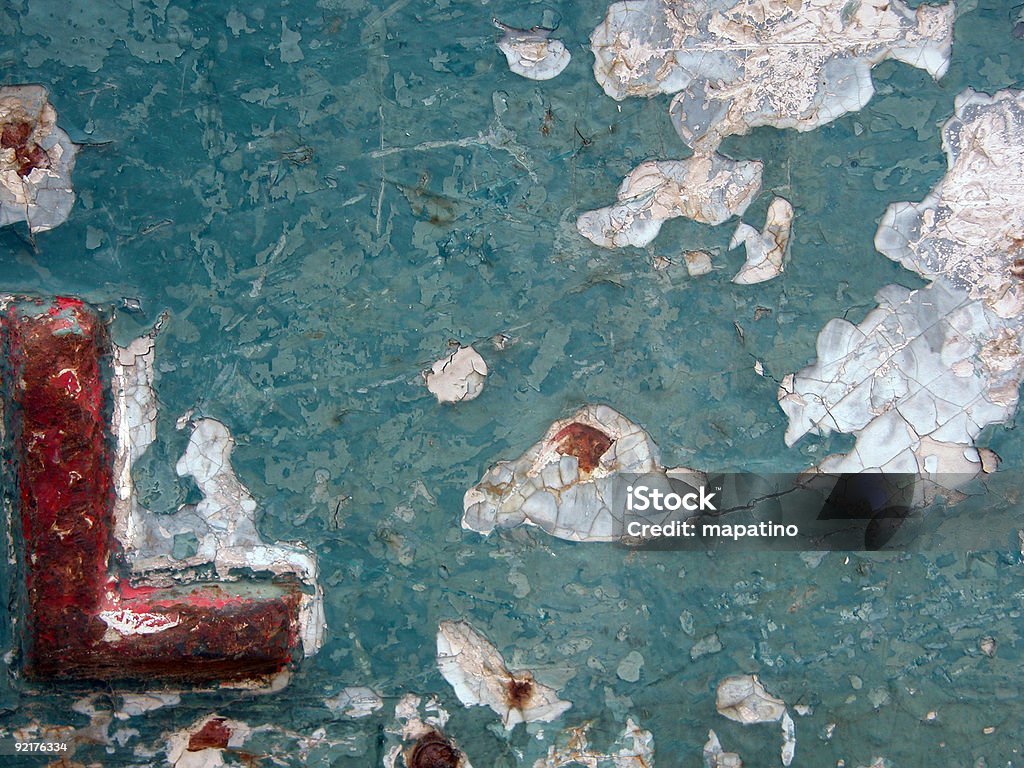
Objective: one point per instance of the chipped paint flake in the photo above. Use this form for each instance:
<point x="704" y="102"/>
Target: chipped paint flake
<point x="742" y="698"/>
<point x="127" y="622"/>
<point x="531" y="53"/>
<point x="36" y="160"/>
<point x="477" y="672"/>
<point x="927" y="370"/>
<point x="135" y="704"/>
<point x="788" y="751"/>
<point x="768" y="249"/>
<point x="355" y="702"/>
<point x="698" y="263"/>
<point x="457" y="377"/>
<point x="705" y="188"/>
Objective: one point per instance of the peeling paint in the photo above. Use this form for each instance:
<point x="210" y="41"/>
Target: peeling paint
<point x="927" y="370"/>
<point x="705" y="188"/>
<point x="477" y="672"/>
<point x="768" y="249"/>
<point x="564" y="483"/>
<point x="457" y="377"/>
<point x="531" y="53"/>
<point x="737" y="65"/>
<point x="36" y="160"/>
<point x="633" y="749"/>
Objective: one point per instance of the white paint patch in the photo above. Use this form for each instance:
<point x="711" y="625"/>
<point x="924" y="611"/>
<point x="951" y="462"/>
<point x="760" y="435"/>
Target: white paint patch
<point x="788" y="751"/>
<point x="742" y="698"/>
<point x="135" y="704"/>
<point x="547" y="487"/>
<point x="768" y="249"/>
<point x="738" y="64"/>
<point x="126" y="622"/>
<point x="698" y="263"/>
<point x="457" y="377"/>
<point x="44" y="197"/>
<point x="531" y="53"/>
<point x="923" y="374"/>
<point x="477" y="672"/>
<point x="707" y="188"/>
<point x="355" y="702"/>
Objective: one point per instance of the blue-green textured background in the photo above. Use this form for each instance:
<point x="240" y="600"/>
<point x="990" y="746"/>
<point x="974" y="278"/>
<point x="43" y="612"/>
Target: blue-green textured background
<point x="227" y="178"/>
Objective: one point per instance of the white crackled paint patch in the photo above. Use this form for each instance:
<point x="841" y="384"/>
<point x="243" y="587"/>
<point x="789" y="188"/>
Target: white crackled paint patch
<point x="477" y="672"/>
<point x="458" y="377"/>
<point x="531" y="53"/>
<point x="705" y="188"/>
<point x="927" y="370"/>
<point x="768" y="249"/>
<point x="35" y="169"/>
<point x="565" y="483"/>
<point x="733" y="65"/>
<point x="742" y="698"/>
<point x="738" y="64"/>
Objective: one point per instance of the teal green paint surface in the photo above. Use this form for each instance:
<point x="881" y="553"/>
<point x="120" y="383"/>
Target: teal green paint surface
<point x="227" y="178"/>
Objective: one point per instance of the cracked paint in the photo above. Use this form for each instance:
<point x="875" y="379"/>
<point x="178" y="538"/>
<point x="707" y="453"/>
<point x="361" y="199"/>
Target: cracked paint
<point x="735" y="66"/>
<point x="768" y="249"/>
<point x="705" y="188"/>
<point x="633" y="749"/>
<point x="927" y="370"/>
<point x="531" y="53"/>
<point x="36" y="160"/>
<point x="477" y="672"/>
<point x="564" y="483"/>
<point x="457" y="377"/>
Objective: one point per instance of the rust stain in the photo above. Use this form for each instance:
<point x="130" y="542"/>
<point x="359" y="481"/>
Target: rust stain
<point x="433" y="750"/>
<point x="213" y="735"/>
<point x="518" y="692"/>
<point x="28" y="155"/>
<point x="584" y="442"/>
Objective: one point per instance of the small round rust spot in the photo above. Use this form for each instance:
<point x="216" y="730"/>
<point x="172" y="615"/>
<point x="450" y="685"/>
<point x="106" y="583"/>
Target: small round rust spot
<point x="433" y="750"/>
<point x="584" y="442"/>
<point x="518" y="692"/>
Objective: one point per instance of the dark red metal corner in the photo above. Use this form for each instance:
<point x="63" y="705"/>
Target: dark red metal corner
<point x="82" y="617"/>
